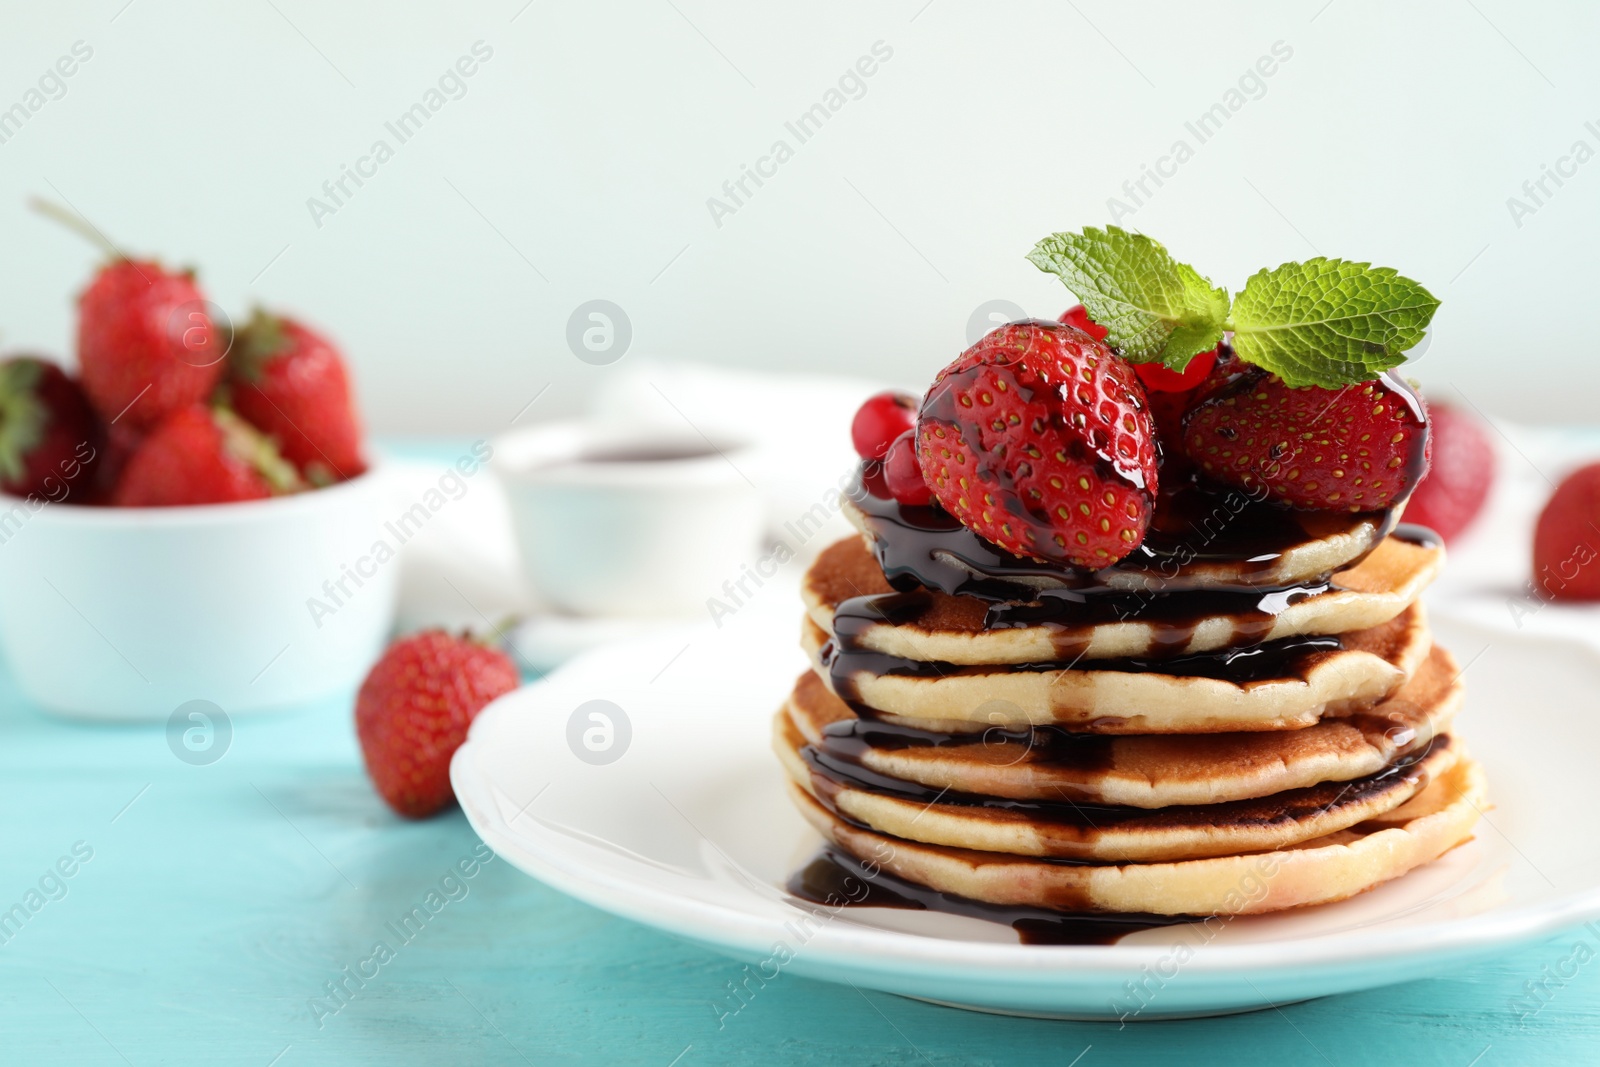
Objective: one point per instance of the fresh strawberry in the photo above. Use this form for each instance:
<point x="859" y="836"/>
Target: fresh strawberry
<point x="1167" y="408"/>
<point x="292" y="384"/>
<point x="413" y="711"/>
<point x="122" y="441"/>
<point x="1160" y="379"/>
<point x="1566" y="541"/>
<point x="146" y="345"/>
<point x="1078" y="315"/>
<point x="1155" y="377"/>
<point x="1039" y="439"/>
<point x="50" y="441"/>
<point x="202" y="455"/>
<point x="1359" y="448"/>
<point x="1452" y="493"/>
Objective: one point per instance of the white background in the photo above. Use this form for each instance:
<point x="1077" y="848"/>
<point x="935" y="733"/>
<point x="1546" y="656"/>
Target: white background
<point x="580" y="160"/>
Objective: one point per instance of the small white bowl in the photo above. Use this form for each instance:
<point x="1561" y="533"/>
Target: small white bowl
<point x="616" y="521"/>
<point x="127" y="613"/>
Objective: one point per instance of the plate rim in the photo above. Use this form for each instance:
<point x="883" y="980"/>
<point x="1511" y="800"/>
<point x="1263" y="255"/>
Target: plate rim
<point x="706" y="922"/>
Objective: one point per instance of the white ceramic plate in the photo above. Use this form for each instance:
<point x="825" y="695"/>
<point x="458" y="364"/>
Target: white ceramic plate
<point x="689" y="831"/>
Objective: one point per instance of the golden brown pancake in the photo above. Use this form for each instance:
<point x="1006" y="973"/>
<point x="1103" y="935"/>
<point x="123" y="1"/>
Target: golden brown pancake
<point x="1318" y="871"/>
<point x="1153" y="770"/>
<point x="953" y="629"/>
<point x="1371" y="664"/>
<point x="1067" y="830"/>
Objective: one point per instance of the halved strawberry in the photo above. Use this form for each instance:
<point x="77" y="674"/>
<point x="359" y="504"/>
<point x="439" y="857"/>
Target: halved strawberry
<point x="1039" y="439"/>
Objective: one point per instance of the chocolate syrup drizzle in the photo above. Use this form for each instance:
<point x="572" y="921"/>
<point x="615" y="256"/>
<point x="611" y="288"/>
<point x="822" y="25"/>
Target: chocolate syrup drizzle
<point x="835" y="766"/>
<point x="837" y="879"/>
<point x="1289" y="657"/>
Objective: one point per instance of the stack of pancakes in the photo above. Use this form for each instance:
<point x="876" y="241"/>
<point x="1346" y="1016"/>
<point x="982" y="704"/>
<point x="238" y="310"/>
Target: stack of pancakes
<point x="1226" y="731"/>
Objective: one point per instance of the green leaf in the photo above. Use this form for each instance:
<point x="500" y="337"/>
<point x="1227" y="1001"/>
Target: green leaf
<point x="1154" y="309"/>
<point x="1329" y="322"/>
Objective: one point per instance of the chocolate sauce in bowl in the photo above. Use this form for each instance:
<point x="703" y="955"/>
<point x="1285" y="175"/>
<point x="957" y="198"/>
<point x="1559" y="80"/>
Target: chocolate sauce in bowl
<point x="835" y="879"/>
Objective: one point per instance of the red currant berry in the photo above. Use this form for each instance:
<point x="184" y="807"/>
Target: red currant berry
<point x="1078" y="315"/>
<point x="1165" y="380"/>
<point x="879" y="421"/>
<point x="902" y="474"/>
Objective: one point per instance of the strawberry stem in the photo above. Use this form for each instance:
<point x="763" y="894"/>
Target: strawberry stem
<point x="77" y="224"/>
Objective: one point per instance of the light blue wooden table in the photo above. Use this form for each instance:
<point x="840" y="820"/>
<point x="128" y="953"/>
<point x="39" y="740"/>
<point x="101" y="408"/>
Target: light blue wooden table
<point x="219" y="902"/>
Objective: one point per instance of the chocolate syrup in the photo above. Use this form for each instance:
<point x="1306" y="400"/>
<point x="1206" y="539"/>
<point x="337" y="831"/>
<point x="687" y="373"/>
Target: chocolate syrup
<point x="832" y="771"/>
<point x="1070" y="615"/>
<point x="927" y="547"/>
<point x="837" y="879"/>
<point x="1413" y="533"/>
<point x="848" y="739"/>
<point x="1289" y="657"/>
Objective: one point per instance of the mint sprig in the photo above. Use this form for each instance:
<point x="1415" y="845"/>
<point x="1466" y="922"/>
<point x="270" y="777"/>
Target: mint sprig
<point x="1324" y="322"/>
<point x="1329" y="322"/>
<point x="1154" y="309"/>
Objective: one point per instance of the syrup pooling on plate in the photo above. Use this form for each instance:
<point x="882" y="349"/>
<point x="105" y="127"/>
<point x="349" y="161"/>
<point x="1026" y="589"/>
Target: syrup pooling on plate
<point x="836" y="879"/>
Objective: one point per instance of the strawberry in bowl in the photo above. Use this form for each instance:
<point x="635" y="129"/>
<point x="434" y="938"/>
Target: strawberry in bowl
<point x="165" y="535"/>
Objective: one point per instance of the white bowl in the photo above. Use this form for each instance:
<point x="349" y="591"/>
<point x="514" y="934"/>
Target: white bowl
<point x="127" y="613"/>
<point x="605" y="532"/>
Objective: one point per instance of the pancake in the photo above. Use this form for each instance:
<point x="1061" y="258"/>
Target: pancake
<point x="1319" y="871"/>
<point x="1149" y="771"/>
<point x="1274" y="689"/>
<point x="1068" y="830"/>
<point x="937" y="627"/>
<point x="1316" y="543"/>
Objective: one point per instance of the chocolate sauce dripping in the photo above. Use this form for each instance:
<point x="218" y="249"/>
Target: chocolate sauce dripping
<point x="838" y="880"/>
<point x="831" y="771"/>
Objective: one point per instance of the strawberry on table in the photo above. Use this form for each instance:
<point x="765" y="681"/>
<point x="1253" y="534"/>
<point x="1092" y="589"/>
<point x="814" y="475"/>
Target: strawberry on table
<point x="50" y="441"/>
<point x="1038" y="438"/>
<point x="202" y="455"/>
<point x="1456" y="486"/>
<point x="1566" y="541"/>
<point x="291" y="383"/>
<point x="146" y="344"/>
<point x="413" y="710"/>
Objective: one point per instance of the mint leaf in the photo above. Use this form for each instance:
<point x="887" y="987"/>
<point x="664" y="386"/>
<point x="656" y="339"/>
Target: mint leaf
<point x="1154" y="309"/>
<point x="1329" y="322"/>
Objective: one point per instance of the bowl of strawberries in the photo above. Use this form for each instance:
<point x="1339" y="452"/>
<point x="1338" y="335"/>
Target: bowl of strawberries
<point x="180" y="519"/>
